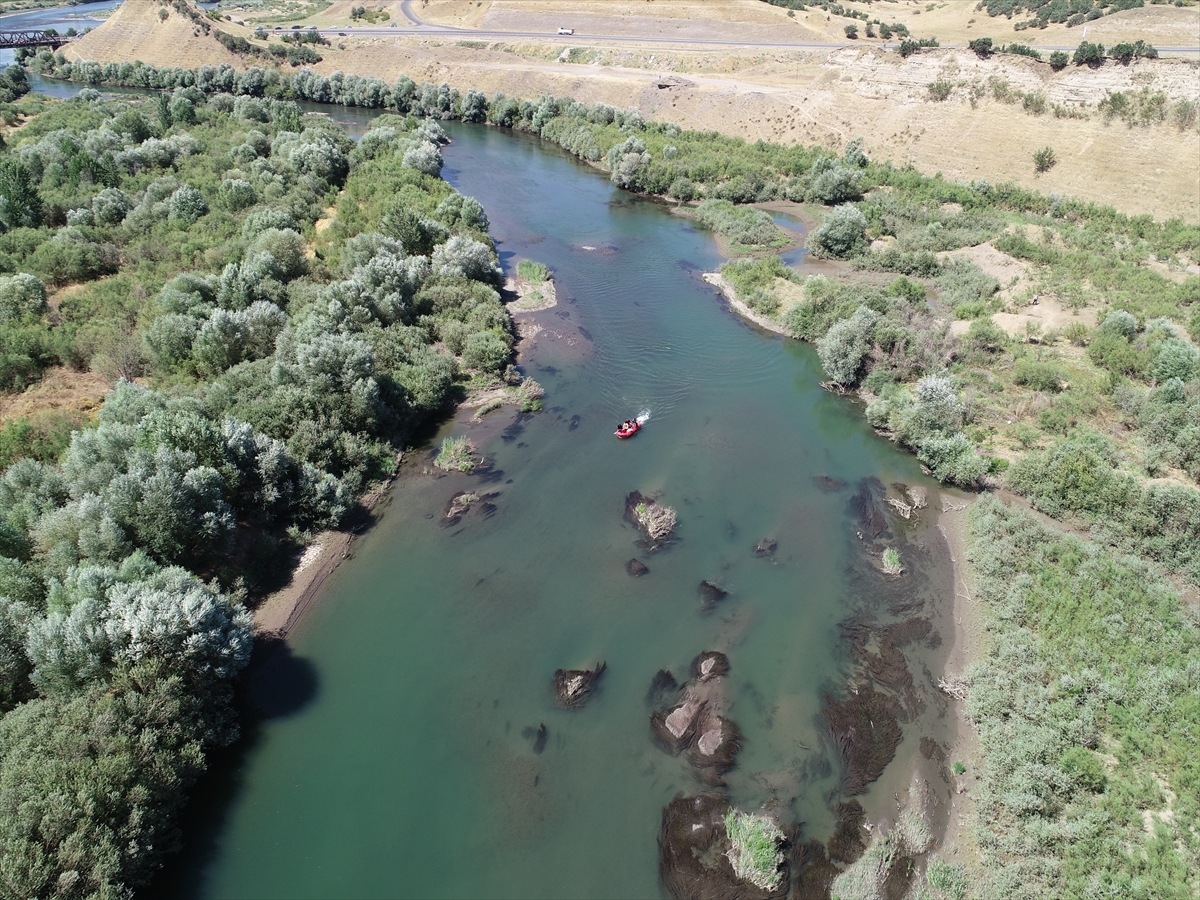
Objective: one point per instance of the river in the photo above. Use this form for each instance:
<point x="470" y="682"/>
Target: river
<point x="394" y="757"/>
<point x="388" y="752"/>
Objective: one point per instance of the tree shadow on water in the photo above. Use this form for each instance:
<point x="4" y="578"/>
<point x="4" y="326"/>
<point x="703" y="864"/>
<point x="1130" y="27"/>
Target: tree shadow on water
<point x="276" y="685"/>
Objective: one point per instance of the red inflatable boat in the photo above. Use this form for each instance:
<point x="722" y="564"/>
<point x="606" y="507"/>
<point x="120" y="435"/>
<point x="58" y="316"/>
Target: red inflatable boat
<point x="628" y="432"/>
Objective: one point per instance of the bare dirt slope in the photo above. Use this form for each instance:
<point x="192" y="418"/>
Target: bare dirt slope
<point x="135" y="32"/>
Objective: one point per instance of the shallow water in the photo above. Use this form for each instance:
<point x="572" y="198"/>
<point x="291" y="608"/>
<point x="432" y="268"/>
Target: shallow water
<point x="393" y="760"/>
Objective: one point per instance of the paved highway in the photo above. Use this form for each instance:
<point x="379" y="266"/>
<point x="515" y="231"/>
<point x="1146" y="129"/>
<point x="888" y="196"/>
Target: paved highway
<point x="417" y="27"/>
<point x="470" y="34"/>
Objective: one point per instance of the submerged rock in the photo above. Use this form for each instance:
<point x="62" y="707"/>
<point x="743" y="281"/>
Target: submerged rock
<point x="573" y="686"/>
<point x="865" y="728"/>
<point x="765" y="547"/>
<point x="711" y="594"/>
<point x="827" y="484"/>
<point x="664" y="689"/>
<point x="636" y="567"/>
<point x="695" y="722"/>
<point x="868" y="507"/>
<point x="538" y="736"/>
<point x="462" y="502"/>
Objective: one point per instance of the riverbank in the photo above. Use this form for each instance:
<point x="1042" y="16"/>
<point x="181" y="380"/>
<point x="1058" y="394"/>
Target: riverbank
<point x="960" y="842"/>
<point x="283" y="610"/>
<point x="717" y="280"/>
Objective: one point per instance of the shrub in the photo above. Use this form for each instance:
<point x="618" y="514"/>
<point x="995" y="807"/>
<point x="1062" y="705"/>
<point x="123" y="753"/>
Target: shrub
<point x="187" y="205"/>
<point x="21" y="296"/>
<point x="1040" y="376"/>
<point x="981" y="47"/>
<point x="744" y="226"/>
<point x="487" y="351"/>
<point x="425" y="157"/>
<point x="533" y="272"/>
<point x="467" y="257"/>
<point x="1059" y="60"/>
<point x="846" y="344"/>
<point x="841" y="235"/>
<point x="940" y="90"/>
<point x="1088" y="54"/>
<point x="455" y="455"/>
<point x="626" y="161"/>
<point x="235" y="194"/>
<point x="1085" y="769"/>
<point x="1176" y="359"/>
<point x="1119" y="323"/>
<point x="837" y="184"/>
<point x="110" y="206"/>
<point x="1044" y="160"/>
<point x="851" y="32"/>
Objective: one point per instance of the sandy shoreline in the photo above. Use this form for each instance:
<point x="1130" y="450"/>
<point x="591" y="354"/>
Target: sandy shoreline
<point x="718" y="281"/>
<point x="280" y="612"/>
<point x="970" y="642"/>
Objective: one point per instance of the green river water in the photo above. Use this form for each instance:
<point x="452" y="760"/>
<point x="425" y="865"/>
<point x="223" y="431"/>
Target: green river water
<point x="394" y="761"/>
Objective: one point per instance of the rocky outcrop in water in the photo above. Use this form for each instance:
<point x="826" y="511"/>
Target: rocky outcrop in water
<point x="765" y="547"/>
<point x="653" y="519"/>
<point x="710" y="664"/>
<point x="693" y="722"/>
<point x="695" y="854"/>
<point x="572" y="687"/>
<point x="463" y="502"/>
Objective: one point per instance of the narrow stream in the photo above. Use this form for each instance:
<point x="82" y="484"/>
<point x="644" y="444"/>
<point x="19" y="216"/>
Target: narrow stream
<point x="396" y="758"/>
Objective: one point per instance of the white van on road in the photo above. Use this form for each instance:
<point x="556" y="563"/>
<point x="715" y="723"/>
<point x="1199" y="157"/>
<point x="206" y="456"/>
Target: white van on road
<point x="566" y="31"/>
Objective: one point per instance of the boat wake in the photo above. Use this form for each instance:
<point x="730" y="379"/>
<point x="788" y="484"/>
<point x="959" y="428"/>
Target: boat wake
<point x="643" y="417"/>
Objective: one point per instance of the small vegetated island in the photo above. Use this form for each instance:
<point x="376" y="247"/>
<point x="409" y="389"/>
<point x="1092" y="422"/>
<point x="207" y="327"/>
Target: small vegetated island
<point x="286" y="358"/>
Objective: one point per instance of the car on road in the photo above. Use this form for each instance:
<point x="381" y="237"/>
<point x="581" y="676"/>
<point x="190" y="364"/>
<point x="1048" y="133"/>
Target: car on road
<point x="566" y="31"/>
<point x="341" y="34"/>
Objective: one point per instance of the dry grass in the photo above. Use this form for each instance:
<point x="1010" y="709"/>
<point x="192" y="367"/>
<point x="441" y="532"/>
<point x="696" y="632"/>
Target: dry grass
<point x="60" y="389"/>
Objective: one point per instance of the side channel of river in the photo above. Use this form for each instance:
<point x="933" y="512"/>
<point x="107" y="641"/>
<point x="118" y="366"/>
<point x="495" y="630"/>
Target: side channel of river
<point x="397" y="755"/>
